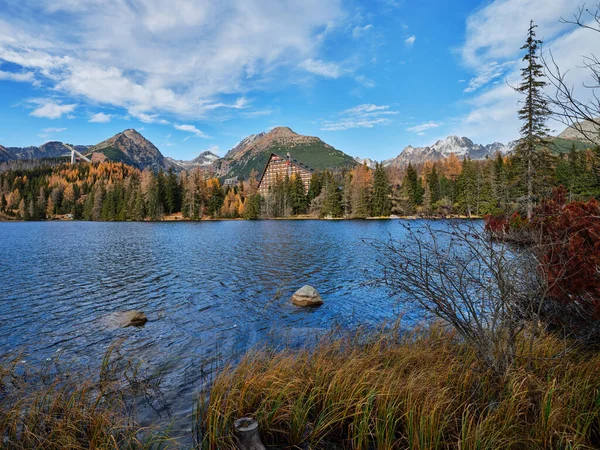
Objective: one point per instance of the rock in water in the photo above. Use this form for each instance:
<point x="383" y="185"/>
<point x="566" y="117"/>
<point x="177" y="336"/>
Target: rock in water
<point x="307" y="296"/>
<point x="131" y="318"/>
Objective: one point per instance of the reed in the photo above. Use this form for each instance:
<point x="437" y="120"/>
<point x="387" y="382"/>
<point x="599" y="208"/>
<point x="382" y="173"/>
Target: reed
<point x="49" y="408"/>
<point x="422" y="390"/>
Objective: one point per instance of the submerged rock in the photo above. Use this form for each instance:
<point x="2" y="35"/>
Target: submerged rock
<point x="131" y="318"/>
<point x="307" y="296"/>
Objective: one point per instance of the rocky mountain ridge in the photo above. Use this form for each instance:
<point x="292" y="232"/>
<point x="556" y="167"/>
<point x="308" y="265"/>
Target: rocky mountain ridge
<point x="204" y="160"/>
<point x="462" y="147"/>
<point x="253" y="152"/>
<point x="583" y="131"/>
<point x="131" y="147"/>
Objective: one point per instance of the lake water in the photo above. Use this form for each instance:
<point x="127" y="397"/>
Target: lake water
<point x="211" y="291"/>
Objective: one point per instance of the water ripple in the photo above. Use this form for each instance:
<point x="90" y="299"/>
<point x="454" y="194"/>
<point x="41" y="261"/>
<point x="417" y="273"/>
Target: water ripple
<point x="211" y="290"/>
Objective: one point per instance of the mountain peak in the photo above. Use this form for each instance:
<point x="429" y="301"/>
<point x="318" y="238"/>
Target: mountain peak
<point x="132" y="148"/>
<point x="253" y="152"/>
<point x="462" y="147"/>
<point x="281" y="132"/>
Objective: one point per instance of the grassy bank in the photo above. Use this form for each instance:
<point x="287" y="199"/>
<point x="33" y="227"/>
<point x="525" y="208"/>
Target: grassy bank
<point x="421" y="391"/>
<point x="425" y="390"/>
<point x="53" y="409"/>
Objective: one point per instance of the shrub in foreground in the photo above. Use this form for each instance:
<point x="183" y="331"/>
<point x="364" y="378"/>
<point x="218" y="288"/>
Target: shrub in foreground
<point x="424" y="390"/>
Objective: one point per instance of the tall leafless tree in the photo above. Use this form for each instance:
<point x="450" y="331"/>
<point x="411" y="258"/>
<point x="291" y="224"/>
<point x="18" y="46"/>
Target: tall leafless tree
<point x="568" y="108"/>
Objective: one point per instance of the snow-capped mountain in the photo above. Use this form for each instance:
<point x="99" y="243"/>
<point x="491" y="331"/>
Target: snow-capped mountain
<point x="368" y="161"/>
<point x="461" y="146"/>
<point x="204" y="160"/>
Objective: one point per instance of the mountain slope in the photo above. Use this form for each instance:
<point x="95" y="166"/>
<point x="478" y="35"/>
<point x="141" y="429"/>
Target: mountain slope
<point x="52" y="149"/>
<point x="460" y="146"/>
<point x="4" y="154"/>
<point x="253" y="152"/>
<point x="589" y="129"/>
<point x="130" y="147"/>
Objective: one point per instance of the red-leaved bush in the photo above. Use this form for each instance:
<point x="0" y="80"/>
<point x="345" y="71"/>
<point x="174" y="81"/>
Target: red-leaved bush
<point x="568" y="238"/>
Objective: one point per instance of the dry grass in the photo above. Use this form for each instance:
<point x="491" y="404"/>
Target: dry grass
<point x="424" y="390"/>
<point x="421" y="391"/>
<point x="48" y="409"/>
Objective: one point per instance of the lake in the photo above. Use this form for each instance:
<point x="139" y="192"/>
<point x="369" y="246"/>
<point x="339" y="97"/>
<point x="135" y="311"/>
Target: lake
<point x="211" y="291"/>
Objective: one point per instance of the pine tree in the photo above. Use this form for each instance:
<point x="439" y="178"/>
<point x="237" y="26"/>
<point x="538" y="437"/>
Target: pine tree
<point x="172" y="193"/>
<point x="413" y="188"/>
<point x="315" y="186"/>
<point x="533" y="113"/>
<point x="381" y="203"/>
<point x="433" y="182"/>
<point x="298" y="198"/>
<point x="332" y="203"/>
<point x="467" y="187"/>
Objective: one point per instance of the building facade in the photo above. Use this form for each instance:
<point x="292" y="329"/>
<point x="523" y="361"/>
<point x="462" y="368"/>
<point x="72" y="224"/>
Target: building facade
<point x="279" y="167"/>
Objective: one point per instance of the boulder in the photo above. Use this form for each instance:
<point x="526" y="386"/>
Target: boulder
<point x="307" y="296"/>
<point x="131" y="318"/>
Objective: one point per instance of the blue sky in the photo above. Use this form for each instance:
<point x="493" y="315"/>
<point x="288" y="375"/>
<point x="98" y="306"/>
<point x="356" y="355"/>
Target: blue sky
<point x="368" y="77"/>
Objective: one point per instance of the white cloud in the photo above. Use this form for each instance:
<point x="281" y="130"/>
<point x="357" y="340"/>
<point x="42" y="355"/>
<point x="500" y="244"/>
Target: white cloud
<point x="257" y="113"/>
<point x="224" y="49"/>
<point x="361" y="116"/>
<point x="100" y="118"/>
<point x="496" y="31"/>
<point x="419" y="129"/>
<point x="487" y="73"/>
<point x="28" y="77"/>
<point x="410" y="41"/>
<point x="48" y="132"/>
<point x="495" y="34"/>
<point x="192" y="129"/>
<point x="318" y="67"/>
<point x="361" y="31"/>
<point x="50" y="110"/>
<point x="149" y="118"/>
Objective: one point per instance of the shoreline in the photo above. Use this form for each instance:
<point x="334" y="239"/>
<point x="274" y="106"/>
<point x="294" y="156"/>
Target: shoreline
<point x="224" y="219"/>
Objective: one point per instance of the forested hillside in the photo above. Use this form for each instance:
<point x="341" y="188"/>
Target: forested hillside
<point x="117" y="191"/>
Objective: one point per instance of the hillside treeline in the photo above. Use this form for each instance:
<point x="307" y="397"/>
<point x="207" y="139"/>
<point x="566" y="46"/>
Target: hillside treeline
<point x="115" y="191"/>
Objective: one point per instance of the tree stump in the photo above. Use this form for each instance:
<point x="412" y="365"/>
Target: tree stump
<point x="246" y="431"/>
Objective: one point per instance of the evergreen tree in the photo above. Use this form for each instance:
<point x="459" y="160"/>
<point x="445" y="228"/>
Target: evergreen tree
<point x="467" y="187"/>
<point x="315" y="186"/>
<point x="252" y="207"/>
<point x="534" y="113"/>
<point x="433" y="182"/>
<point x="299" y="201"/>
<point x="172" y="193"/>
<point x="216" y="196"/>
<point x="413" y="188"/>
<point x="332" y="202"/>
<point x="381" y="204"/>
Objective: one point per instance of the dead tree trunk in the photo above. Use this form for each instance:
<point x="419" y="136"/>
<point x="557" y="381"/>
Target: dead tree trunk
<point x="246" y="431"/>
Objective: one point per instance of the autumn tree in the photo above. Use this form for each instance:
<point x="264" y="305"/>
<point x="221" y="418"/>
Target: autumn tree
<point x="360" y="191"/>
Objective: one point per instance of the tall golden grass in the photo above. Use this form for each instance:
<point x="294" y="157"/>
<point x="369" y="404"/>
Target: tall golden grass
<point x="47" y="409"/>
<point x="423" y="390"/>
<point x="387" y="390"/>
